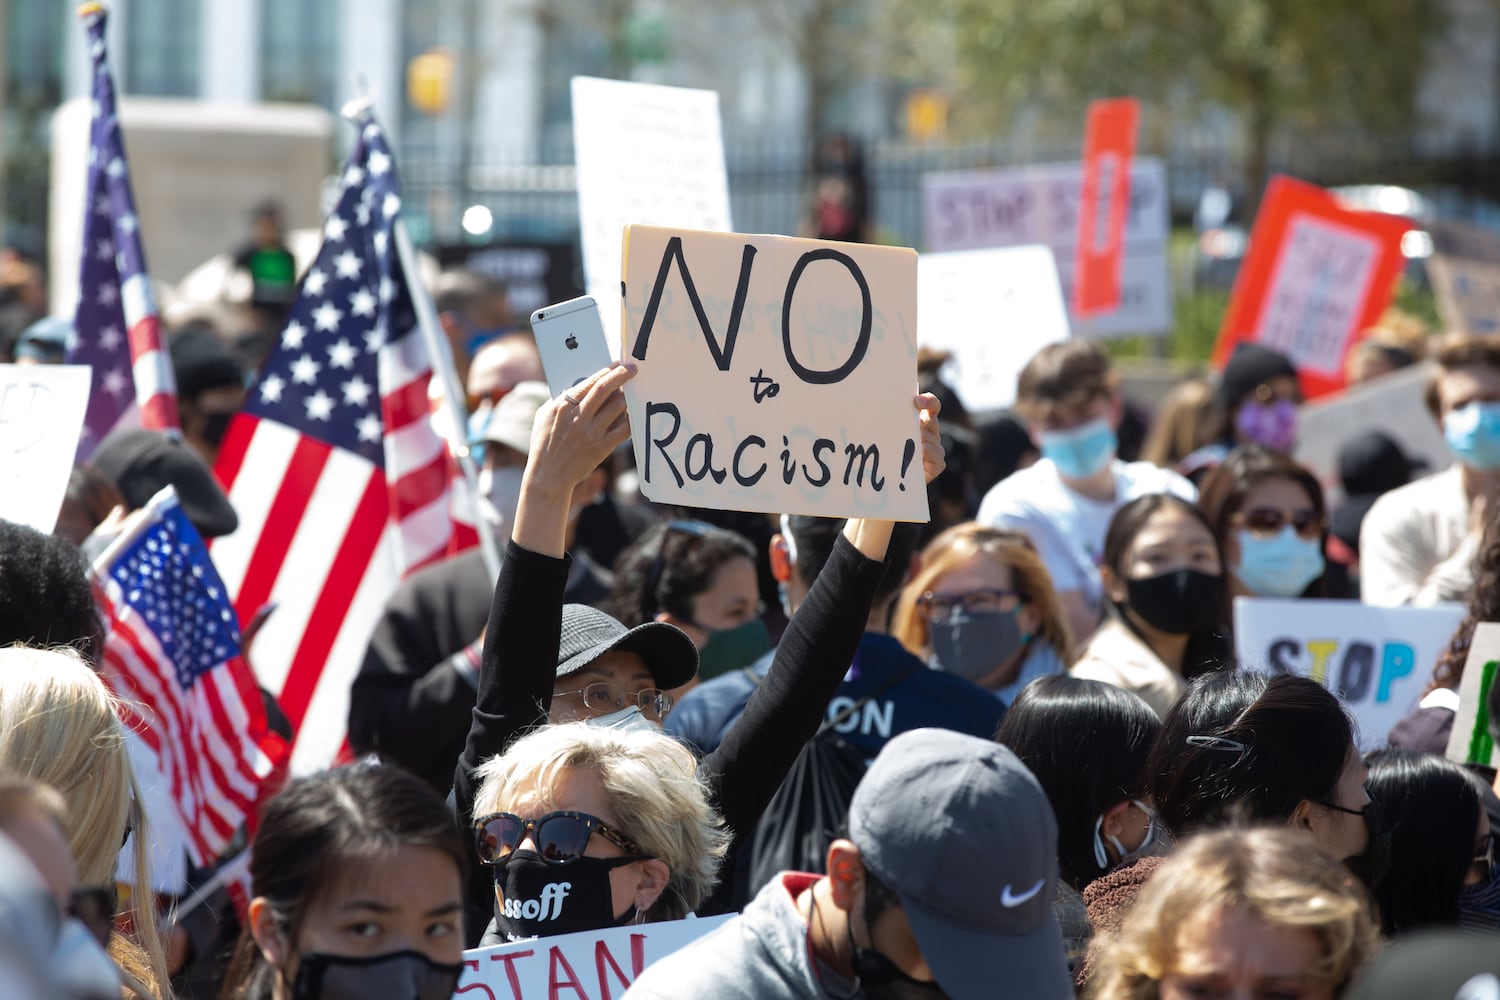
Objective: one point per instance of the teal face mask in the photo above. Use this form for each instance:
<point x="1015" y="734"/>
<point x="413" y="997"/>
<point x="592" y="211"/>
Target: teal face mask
<point x="733" y="648"/>
<point x="1473" y="435"/>
<point x="1082" y="451"/>
<point x="1279" y="566"/>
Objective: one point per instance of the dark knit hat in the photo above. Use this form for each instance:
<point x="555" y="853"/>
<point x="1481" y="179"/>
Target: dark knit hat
<point x="588" y="633"/>
<point x="1250" y="366"/>
<point x="200" y="361"/>
<point x="141" y="462"/>
<point x="1373" y="463"/>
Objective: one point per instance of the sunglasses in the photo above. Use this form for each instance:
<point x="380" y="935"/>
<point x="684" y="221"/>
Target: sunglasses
<point x="1269" y="521"/>
<point x="560" y="837"/>
<point x="604" y="697"/>
<point x="95" y="909"/>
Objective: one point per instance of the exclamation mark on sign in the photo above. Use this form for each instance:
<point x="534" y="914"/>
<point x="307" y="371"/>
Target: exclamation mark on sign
<point x="907" y="454"/>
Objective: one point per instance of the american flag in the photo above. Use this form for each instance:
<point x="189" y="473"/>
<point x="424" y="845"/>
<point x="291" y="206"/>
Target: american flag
<point x="341" y="484"/>
<point x="173" y="658"/>
<point x="117" y="332"/>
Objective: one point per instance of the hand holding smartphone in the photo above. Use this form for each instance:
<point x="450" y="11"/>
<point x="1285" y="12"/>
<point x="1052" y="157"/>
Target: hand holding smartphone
<point x="571" y="341"/>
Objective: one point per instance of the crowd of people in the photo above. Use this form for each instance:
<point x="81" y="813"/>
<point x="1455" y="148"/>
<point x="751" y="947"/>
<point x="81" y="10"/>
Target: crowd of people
<point x="1007" y="753"/>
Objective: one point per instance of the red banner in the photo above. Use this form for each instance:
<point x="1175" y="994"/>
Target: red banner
<point x="1316" y="277"/>
<point x="1108" y="145"/>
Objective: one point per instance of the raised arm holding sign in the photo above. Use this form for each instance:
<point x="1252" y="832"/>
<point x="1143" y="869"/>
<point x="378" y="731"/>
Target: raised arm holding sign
<point x="772" y="372"/>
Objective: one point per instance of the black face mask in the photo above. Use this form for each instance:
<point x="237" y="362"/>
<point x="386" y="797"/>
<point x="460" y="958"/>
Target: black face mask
<point x="542" y="900"/>
<point x="215" y="426"/>
<point x="878" y="977"/>
<point x="1372" y="866"/>
<point x="1178" y="602"/>
<point x="400" y="975"/>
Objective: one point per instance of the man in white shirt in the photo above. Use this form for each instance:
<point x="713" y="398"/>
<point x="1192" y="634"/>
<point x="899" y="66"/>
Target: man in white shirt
<point x="1418" y="543"/>
<point x="1069" y="396"/>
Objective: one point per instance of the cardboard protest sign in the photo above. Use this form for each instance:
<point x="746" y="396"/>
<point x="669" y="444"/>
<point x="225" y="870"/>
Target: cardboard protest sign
<point x="1377" y="660"/>
<point x="775" y="374"/>
<point x="41" y="417"/>
<point x="1471" y="741"/>
<point x="1317" y="276"/>
<point x="992" y="309"/>
<point x="1465" y="272"/>
<point x="589" y="965"/>
<point x="1108" y="145"/>
<point x="983" y="209"/>
<point x="646" y="155"/>
<point x="1393" y="404"/>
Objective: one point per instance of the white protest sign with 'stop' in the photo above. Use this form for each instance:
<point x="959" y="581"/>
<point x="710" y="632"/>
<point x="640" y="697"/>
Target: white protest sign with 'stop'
<point x="980" y="209"/>
<point x="993" y="310"/>
<point x="1377" y="660"/>
<point x="589" y="965"/>
<point x="647" y="155"/>
<point x="41" y="417"/>
<point x="775" y="374"/>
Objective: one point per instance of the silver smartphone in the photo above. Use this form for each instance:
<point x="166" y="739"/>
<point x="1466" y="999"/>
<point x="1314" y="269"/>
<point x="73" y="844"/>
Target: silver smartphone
<point x="570" y="338"/>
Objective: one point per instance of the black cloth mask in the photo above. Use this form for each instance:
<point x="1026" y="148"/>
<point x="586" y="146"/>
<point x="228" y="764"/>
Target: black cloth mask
<point x="400" y="975"/>
<point x="972" y="645"/>
<point x="542" y="900"/>
<point x="881" y="979"/>
<point x="1177" y="602"/>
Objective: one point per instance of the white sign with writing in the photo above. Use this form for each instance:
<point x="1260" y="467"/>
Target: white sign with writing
<point x="589" y="965"/>
<point x="776" y="374"/>
<point x="979" y="209"/>
<point x="647" y="155"/>
<point x="992" y="309"/>
<point x="1472" y="740"/>
<point x="41" y="416"/>
<point x="1377" y="660"/>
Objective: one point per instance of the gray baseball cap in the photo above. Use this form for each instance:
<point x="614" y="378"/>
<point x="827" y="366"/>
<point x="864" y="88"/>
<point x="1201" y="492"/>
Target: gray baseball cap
<point x="964" y="835"/>
<point x="588" y="633"/>
<point x="511" y="420"/>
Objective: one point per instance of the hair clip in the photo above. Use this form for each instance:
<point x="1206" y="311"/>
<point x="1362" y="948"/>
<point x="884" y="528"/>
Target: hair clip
<point x="1217" y="743"/>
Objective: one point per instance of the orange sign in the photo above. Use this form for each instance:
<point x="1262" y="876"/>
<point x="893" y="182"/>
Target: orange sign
<point x="1108" y="145"/>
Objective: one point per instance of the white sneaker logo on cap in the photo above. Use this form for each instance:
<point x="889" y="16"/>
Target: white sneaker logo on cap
<point x="1010" y="901"/>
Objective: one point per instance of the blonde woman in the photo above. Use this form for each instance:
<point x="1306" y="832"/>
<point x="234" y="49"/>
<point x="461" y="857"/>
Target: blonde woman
<point x="982" y="606"/>
<point x="593" y="826"/>
<point x="59" y="727"/>
<point x="1242" y="913"/>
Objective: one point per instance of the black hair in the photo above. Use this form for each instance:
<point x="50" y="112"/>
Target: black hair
<point x="1004" y="442"/>
<point x="1207" y="649"/>
<point x="314" y="826"/>
<point x="814" y="537"/>
<point x="1087" y="743"/>
<point x="1210" y="702"/>
<point x="45" y="597"/>
<point x="1288" y="746"/>
<point x="1429" y="807"/>
<point x="667" y="567"/>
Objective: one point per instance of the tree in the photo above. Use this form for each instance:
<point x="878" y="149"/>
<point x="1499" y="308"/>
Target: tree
<point x="1278" y="67"/>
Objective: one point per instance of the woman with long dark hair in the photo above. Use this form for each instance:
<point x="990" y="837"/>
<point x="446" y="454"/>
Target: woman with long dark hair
<point x="1271" y="520"/>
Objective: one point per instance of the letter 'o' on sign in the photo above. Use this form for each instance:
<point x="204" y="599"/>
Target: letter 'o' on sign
<point x="861" y="344"/>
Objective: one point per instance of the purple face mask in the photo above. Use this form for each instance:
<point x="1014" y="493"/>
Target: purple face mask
<point x="1273" y="425"/>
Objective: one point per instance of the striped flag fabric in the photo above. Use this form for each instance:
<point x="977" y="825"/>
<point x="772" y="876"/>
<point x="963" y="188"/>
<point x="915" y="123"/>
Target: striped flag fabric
<point x="117" y="332"/>
<point x="172" y="656"/>
<point x="341" y="484"/>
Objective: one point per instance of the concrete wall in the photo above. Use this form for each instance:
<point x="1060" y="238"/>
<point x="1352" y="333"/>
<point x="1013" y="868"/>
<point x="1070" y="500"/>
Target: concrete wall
<point x="197" y="169"/>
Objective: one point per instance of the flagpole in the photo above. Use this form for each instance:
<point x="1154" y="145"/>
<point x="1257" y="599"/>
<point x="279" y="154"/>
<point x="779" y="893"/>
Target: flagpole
<point x="441" y="354"/>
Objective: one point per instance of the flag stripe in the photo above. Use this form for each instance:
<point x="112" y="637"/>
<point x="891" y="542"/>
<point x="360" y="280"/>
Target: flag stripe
<point x="406" y="405"/>
<point x="302" y="476"/>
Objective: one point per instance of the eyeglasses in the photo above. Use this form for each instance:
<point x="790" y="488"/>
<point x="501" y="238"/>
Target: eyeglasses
<point x="1269" y="520"/>
<point x="940" y="607"/>
<point x="95" y="909"/>
<point x="1343" y="809"/>
<point x="605" y="697"/>
<point x="560" y="837"/>
<point x="693" y="529"/>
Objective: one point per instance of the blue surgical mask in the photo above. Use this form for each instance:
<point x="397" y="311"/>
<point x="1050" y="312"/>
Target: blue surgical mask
<point x="1281" y="565"/>
<point x="1473" y="435"/>
<point x="1081" y="452"/>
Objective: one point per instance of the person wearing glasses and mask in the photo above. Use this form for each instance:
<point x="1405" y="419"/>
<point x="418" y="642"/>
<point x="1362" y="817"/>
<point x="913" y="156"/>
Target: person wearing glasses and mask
<point x="1164" y="575"/>
<point x="702" y="579"/>
<point x="547" y="662"/>
<point x="1269" y="516"/>
<point x="982" y="607"/>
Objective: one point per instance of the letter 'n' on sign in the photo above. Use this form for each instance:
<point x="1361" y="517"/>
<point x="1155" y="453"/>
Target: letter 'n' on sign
<point x="775" y="374"/>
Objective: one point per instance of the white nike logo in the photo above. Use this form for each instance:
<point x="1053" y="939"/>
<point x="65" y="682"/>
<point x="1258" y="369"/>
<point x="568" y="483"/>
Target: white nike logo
<point x="1010" y="901"/>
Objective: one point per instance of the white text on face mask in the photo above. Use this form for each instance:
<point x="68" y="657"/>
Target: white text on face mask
<point x="549" y="907"/>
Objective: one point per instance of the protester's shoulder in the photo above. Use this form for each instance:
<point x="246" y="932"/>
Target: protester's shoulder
<point x="1018" y="496"/>
<point x="1142" y="478"/>
<point x="456" y="572"/>
<point x="712" y="966"/>
<point x="895" y="659"/>
<point x="1420" y="498"/>
<point x="704" y="711"/>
